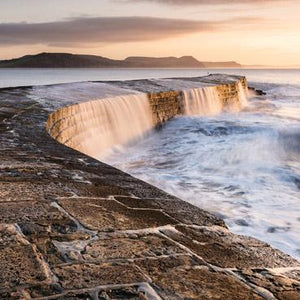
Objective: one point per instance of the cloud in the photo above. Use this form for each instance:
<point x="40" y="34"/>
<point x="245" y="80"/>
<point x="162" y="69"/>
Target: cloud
<point x="204" y="2"/>
<point x="82" y="31"/>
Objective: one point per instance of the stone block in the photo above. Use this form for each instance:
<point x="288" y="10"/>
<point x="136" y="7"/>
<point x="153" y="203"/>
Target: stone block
<point x="180" y="278"/>
<point x="24" y="191"/>
<point x="78" y="276"/>
<point x="281" y="287"/>
<point x="138" y="203"/>
<point x="118" y="292"/>
<point x="41" y="213"/>
<point x="220" y="247"/>
<point x="107" y="215"/>
<point x="133" y="246"/>
<point x="20" y="264"/>
<point x="189" y="214"/>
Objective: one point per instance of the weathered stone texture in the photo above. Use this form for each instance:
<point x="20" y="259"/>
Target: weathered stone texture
<point x="77" y="276"/>
<point x="72" y="227"/>
<point x="186" y="278"/>
<point x="220" y="247"/>
<point x="282" y="287"/>
<point x="20" y="264"/>
<point x="29" y="191"/>
<point x="132" y="246"/>
<point x="165" y="105"/>
<point x="107" y="215"/>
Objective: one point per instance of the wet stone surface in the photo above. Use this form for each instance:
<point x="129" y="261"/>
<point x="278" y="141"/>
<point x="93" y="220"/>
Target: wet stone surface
<point x="107" y="215"/>
<point x="72" y="227"/>
<point x="220" y="247"/>
<point x="134" y="246"/>
<point x="186" y="278"/>
<point x="280" y="286"/>
<point x="86" y="274"/>
<point x="27" y="191"/>
<point x="20" y="264"/>
<point x="41" y="213"/>
<point x="129" y="292"/>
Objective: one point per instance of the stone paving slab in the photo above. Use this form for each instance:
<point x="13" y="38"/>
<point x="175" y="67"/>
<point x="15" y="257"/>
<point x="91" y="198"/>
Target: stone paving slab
<point x="27" y="191"/>
<point x="107" y="215"/>
<point x="35" y="212"/>
<point x="186" y="278"/>
<point x="141" y="291"/>
<point x="220" y="247"/>
<point x="281" y="287"/>
<point x="188" y="214"/>
<point x="20" y="264"/>
<point x="47" y="244"/>
<point x="78" y="276"/>
<point x="134" y="246"/>
<point x="138" y="202"/>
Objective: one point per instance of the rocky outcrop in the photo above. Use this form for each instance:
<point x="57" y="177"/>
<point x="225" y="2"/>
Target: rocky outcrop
<point x="72" y="227"/>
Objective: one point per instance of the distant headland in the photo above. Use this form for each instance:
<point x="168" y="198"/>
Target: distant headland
<point x="67" y="60"/>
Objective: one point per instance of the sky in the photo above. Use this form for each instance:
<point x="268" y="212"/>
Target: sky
<point x="259" y="32"/>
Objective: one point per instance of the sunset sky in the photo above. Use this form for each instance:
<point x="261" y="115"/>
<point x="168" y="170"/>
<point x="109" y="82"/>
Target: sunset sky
<point x="250" y="32"/>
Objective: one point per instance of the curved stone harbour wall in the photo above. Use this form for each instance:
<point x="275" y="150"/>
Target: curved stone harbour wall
<point x="95" y="126"/>
<point x="72" y="227"/>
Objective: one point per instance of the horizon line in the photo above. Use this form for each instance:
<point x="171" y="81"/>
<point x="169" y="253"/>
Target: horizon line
<point x="207" y="61"/>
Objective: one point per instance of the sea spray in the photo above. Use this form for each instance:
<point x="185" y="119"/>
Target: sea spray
<point x="244" y="167"/>
<point x="242" y="96"/>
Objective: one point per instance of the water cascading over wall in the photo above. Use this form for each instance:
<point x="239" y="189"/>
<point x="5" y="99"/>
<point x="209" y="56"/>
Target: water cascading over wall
<point x="202" y="101"/>
<point x="96" y="126"/>
<point x="208" y="101"/>
<point x="242" y="95"/>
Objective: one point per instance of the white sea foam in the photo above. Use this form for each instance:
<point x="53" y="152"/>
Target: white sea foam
<point x="244" y="166"/>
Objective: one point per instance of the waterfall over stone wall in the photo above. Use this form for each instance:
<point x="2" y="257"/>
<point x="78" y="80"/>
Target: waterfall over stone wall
<point x="209" y="101"/>
<point x="242" y="95"/>
<point x="203" y="101"/>
<point x="95" y="126"/>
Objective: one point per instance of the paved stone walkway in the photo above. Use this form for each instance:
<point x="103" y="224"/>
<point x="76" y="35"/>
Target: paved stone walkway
<point x="72" y="227"/>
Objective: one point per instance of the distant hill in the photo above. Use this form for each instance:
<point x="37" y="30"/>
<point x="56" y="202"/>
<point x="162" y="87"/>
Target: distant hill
<point x="66" y="60"/>
<point x="222" y="64"/>
<point x="163" y="62"/>
<point x="60" y="60"/>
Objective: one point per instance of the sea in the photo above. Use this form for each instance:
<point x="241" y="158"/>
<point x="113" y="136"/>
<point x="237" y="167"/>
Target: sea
<point x="243" y="166"/>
